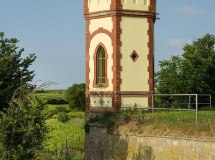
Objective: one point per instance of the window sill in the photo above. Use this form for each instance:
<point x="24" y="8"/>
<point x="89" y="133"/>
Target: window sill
<point x="100" y="85"/>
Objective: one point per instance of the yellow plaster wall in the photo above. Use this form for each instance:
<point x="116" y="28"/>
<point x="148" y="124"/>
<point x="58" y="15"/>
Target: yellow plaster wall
<point x="98" y="5"/>
<point x="140" y="102"/>
<point x="95" y="102"/>
<point x="134" y="36"/>
<point x="105" y="23"/>
<point x="106" y="40"/>
<point x="136" y="4"/>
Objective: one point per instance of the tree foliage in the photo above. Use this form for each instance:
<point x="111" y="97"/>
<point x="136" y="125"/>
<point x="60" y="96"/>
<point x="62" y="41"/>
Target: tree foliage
<point x="192" y="72"/>
<point x="75" y="95"/>
<point x="23" y="127"/>
<point x="14" y="70"/>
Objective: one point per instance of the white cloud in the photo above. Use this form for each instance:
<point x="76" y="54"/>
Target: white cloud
<point x="195" y="10"/>
<point x="178" y="41"/>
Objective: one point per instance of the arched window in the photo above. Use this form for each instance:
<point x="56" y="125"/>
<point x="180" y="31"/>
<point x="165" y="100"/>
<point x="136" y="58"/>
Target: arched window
<point x="100" y="66"/>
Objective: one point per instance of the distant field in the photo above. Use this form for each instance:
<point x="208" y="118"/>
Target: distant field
<point x="55" y="94"/>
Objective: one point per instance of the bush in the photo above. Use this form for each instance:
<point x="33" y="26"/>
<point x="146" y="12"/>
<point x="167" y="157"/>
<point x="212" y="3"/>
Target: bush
<point x="61" y="109"/>
<point x="75" y="114"/>
<point x="55" y="101"/>
<point x="63" y="117"/>
<point x="107" y="120"/>
<point x="75" y="95"/>
<point x="23" y="128"/>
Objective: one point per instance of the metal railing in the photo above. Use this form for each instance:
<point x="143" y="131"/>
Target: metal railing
<point x="196" y="103"/>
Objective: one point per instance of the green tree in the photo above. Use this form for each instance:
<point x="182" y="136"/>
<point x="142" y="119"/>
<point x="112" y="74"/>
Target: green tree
<point x="75" y="95"/>
<point x="14" y="70"/>
<point x="192" y="72"/>
<point x="23" y="127"/>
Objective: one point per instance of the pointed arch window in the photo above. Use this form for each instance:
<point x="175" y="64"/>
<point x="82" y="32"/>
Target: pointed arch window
<point x="101" y="66"/>
<point x="100" y="61"/>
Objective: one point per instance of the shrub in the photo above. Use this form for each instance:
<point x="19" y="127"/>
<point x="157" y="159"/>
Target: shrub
<point x="63" y="117"/>
<point x="53" y="112"/>
<point x="75" y="95"/>
<point x="61" y="109"/>
<point x="126" y="115"/>
<point x="23" y="126"/>
<point x="55" y="101"/>
<point x="107" y="120"/>
<point x="75" y="114"/>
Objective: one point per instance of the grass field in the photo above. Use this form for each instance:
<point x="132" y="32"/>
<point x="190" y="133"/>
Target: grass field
<point x="53" y="96"/>
<point x="58" y="94"/>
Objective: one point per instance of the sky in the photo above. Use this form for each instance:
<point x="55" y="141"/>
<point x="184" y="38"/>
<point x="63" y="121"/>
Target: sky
<point x="55" y="31"/>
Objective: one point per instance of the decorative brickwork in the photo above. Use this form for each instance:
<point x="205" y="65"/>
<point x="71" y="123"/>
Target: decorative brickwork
<point x="101" y="30"/>
<point x="115" y="6"/>
<point x="116" y="12"/>
<point x="121" y="12"/>
<point x="86" y="12"/>
<point x="134" y="56"/>
<point x="151" y="21"/>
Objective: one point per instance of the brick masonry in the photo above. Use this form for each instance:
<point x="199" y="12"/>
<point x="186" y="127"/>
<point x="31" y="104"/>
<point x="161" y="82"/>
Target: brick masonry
<point x="116" y="12"/>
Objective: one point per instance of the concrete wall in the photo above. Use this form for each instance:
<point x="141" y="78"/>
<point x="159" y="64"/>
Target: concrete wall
<point x="101" y="145"/>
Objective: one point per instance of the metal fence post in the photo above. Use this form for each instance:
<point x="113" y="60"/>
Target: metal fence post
<point x="153" y="106"/>
<point x="189" y="105"/>
<point x="153" y="103"/>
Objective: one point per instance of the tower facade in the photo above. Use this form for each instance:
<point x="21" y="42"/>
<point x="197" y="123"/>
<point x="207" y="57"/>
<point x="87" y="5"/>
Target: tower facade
<point x="119" y="53"/>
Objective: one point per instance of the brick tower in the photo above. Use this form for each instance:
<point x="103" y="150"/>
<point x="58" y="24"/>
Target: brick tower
<point x="119" y="53"/>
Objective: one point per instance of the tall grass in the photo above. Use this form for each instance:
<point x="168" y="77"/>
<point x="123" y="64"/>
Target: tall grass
<point x="173" y="123"/>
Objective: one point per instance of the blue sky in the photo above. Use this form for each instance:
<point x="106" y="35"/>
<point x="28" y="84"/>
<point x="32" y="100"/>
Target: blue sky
<point x="55" y="31"/>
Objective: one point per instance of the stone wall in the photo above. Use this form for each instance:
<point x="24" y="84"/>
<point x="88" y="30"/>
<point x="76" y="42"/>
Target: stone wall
<point x="100" y="145"/>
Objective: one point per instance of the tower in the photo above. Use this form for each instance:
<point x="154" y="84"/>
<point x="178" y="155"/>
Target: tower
<point x="119" y="53"/>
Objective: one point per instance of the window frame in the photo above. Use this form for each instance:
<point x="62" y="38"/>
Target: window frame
<point x="95" y="81"/>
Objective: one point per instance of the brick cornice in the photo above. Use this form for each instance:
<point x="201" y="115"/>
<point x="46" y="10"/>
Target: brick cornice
<point x="94" y="93"/>
<point x="121" y="12"/>
<point x="122" y="93"/>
